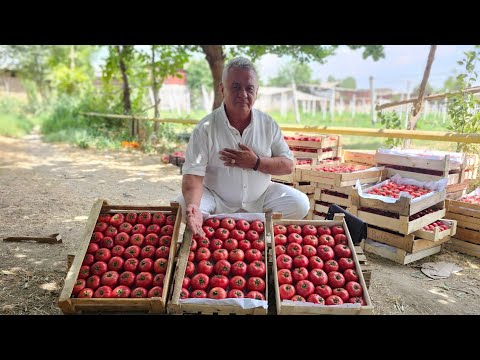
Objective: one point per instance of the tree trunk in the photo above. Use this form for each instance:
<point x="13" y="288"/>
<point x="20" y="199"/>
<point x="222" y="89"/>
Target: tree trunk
<point x="127" y="105"/>
<point x="155" y="87"/>
<point x="216" y="61"/>
<point x="418" y="105"/>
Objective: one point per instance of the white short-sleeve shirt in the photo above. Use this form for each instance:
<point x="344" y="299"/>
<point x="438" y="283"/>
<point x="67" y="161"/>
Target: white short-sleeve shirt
<point x="234" y="188"/>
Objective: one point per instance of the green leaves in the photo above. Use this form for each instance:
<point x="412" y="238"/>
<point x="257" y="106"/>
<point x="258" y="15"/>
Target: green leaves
<point x="390" y="120"/>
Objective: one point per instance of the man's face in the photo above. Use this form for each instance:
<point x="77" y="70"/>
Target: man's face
<point x="239" y="90"/>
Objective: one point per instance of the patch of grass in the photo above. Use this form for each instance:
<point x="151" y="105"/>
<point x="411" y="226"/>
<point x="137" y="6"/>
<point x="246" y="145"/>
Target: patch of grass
<point x="13" y="125"/>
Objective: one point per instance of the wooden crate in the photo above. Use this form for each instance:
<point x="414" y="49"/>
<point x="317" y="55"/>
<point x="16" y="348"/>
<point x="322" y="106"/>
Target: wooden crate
<point x="323" y="207"/>
<point x="319" y="154"/>
<point x="467" y="215"/>
<point x="304" y="186"/>
<point x="295" y="176"/>
<point x="318" y="215"/>
<point x="401" y="225"/>
<point x="416" y="167"/>
<point x="364" y="265"/>
<point x="403" y="206"/>
<point x="177" y="307"/>
<point x="332" y="197"/>
<point x="463" y="247"/>
<point x="326" y="141"/>
<point x="408" y="243"/>
<point x="397" y="255"/>
<point x="341" y="179"/>
<point x="436" y="234"/>
<point x="70" y="305"/>
<point x="360" y="156"/>
<point x="291" y="309"/>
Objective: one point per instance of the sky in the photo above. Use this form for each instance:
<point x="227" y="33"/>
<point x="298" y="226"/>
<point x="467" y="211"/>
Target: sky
<point x="402" y="63"/>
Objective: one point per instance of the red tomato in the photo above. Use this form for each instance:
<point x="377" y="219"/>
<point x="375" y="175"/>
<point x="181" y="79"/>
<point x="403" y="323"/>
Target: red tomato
<point x="340" y="239"/>
<point x="222" y="234"/>
<point x="166" y="230"/>
<point x="97" y="236"/>
<point x="104" y="218"/>
<point x="103" y="292"/>
<point x="325" y="252"/>
<point x="126" y="278"/>
<point x="257" y="226"/>
<point x="92" y="248"/>
<point x="318" y="277"/>
<point x="294" y="229"/>
<point x="160" y="266"/>
<point x="300" y="273"/>
<point x="171" y="220"/>
<point x="355" y="300"/>
<point x="354" y="289"/>
<point x="326" y="240"/>
<point x="309" y="230"/>
<point x="252" y="235"/>
<point x="184" y="294"/>
<point x="286" y="291"/>
<point x="213" y="223"/>
<point x="346" y="263"/>
<point x="257" y="295"/>
<point x="159" y="279"/>
<point x="162" y="252"/>
<point x="237" y="283"/>
<point x="236" y="255"/>
<point x="316" y="299"/>
<point x="330" y="265"/>
<point x="139" y="292"/>
<point x="295" y="238"/>
<point x="333" y="300"/>
<point x="239" y="268"/>
<point x="144" y="279"/>
<point x="155" y="291"/>
<point x="341" y="293"/>
<point x="79" y="286"/>
<point x="118" y="250"/>
<point x="279" y="229"/>
<point x="151" y="239"/>
<point x="98" y="268"/>
<point x="259" y="245"/>
<point x="243" y="225"/>
<point x="244" y="245"/>
<point x="93" y="282"/>
<point x="294" y="249"/>
<point x="315" y="263"/>
<point x="335" y="279"/>
<point x="219" y="281"/>
<point x="85" y="293"/>
<point x="280" y="249"/>
<point x="121" y="291"/>
<point x="215" y="244"/>
<point x="298" y="298"/>
<point x="116" y="263"/>
<point x="222" y="267"/>
<point x="209" y="231"/>
<point x="137" y="239"/>
<point x="323" y="290"/>
<point x="228" y="223"/>
<point x="217" y="293"/>
<point x="310" y="240"/>
<point x="131" y="264"/>
<point x="103" y="254"/>
<point x="280" y="239"/>
<point x="300" y="261"/>
<point x="100" y="227"/>
<point x="350" y="275"/>
<point x="204" y="267"/>
<point x="132" y="251"/>
<point x="167" y="239"/>
<point x="309" y="251"/>
<point x="284" y="261"/>
<point x="147" y="252"/>
<point x="342" y="251"/>
<point x="337" y="229"/>
<point x="257" y="268"/>
<point x="230" y="244"/>
<point x="159" y="218"/>
<point x="139" y="229"/>
<point x="220" y="254"/>
<point x="321" y="230"/>
<point x="199" y="294"/>
<point x="284" y="276"/>
<point x="111" y="231"/>
<point x="255" y="283"/>
<point x="131" y="218"/>
<point x="200" y="281"/>
<point x="126" y="227"/>
<point x="144" y="218"/>
<point x="145" y="265"/>
<point x="237" y="234"/>
<point x="202" y="254"/>
<point x="252" y="255"/>
<point x="235" y="294"/>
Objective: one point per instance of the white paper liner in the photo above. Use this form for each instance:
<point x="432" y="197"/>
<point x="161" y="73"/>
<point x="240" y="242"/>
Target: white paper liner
<point x="244" y="303"/>
<point x="309" y="304"/>
<point x="425" y="154"/>
<point x="435" y="186"/>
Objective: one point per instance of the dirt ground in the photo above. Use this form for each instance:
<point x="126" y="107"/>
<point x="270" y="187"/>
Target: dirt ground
<point x="46" y="189"/>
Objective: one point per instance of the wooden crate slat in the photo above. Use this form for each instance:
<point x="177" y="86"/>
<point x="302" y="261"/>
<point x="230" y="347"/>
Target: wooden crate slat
<point x="416" y="161"/>
<point x="465" y="221"/>
<point x="436" y="234"/>
<point x="399" y="255"/>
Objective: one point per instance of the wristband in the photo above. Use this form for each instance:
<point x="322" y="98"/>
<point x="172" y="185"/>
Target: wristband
<point x="257" y="164"/>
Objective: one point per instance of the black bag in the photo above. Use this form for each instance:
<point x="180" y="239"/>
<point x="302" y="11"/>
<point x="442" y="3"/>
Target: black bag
<point x="357" y="227"/>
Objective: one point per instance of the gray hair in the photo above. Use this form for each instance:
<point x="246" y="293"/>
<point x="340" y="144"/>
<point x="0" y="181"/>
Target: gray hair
<point x="238" y="62"/>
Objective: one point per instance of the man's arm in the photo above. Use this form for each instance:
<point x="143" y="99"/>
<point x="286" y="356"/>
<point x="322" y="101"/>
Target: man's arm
<point x="192" y="190"/>
<point x="277" y="165"/>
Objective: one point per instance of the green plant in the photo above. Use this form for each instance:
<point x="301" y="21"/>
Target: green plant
<point x="463" y="107"/>
<point x="390" y="120"/>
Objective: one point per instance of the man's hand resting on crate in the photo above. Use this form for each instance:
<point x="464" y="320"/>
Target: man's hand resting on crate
<point x="195" y="220"/>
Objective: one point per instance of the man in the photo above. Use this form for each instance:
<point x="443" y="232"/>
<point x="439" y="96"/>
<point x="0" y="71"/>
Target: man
<point x="232" y="154"/>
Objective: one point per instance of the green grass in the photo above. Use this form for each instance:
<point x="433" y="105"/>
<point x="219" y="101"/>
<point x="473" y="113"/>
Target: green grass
<point x="14" y="125"/>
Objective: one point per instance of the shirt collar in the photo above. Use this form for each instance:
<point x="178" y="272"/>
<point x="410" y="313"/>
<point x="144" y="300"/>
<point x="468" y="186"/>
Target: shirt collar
<point x="225" y="118"/>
